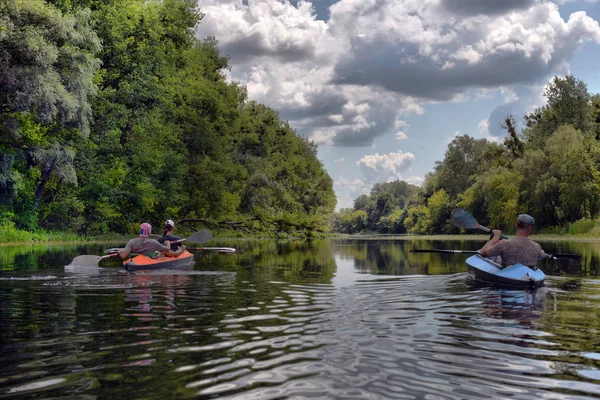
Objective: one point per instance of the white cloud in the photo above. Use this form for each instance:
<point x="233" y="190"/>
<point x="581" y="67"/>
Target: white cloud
<point x="337" y="118"/>
<point x="440" y="55"/>
<point x="380" y="168"/>
<point x="510" y="95"/>
<point x="403" y="127"/>
<point x="339" y="160"/>
<point x="415" y="180"/>
<point x="570" y="1"/>
<point x="494" y="139"/>
<point x="400" y="135"/>
<point x="484" y="126"/>
<point x="346" y="81"/>
<point x="355" y="186"/>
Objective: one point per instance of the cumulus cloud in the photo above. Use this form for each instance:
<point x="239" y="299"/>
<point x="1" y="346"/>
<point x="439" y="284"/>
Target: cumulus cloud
<point x="385" y="167"/>
<point x="400" y="135"/>
<point x="355" y="186"/>
<point x="490" y="7"/>
<point x="484" y="126"/>
<point x="269" y="28"/>
<point x="415" y="180"/>
<point x="346" y="81"/>
<point x="438" y="59"/>
<point x="339" y="160"/>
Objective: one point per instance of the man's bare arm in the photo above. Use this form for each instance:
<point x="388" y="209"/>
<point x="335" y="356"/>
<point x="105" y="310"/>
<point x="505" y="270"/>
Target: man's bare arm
<point x="486" y="250"/>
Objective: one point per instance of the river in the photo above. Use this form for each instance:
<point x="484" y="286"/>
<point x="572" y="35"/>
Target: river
<point x="336" y="318"/>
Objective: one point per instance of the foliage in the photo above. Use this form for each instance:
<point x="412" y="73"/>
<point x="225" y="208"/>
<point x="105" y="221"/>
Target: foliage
<point x="95" y="139"/>
<point x="551" y="171"/>
<point x="383" y="210"/>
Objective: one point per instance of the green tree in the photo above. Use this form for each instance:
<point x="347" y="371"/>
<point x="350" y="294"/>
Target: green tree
<point x="568" y="102"/>
<point x="46" y="82"/>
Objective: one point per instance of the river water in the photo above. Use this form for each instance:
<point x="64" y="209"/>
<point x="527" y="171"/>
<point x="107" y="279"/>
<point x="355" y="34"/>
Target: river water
<point x="360" y="319"/>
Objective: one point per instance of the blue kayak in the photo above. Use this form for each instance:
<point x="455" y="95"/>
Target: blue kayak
<point x="516" y="275"/>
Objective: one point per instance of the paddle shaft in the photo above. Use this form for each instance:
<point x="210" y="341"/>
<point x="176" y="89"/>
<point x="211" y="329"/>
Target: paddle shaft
<point x="444" y="251"/>
<point x="217" y="249"/>
<point x="488" y="230"/>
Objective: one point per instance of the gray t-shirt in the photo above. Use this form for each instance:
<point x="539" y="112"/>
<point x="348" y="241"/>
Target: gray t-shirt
<point x="517" y="250"/>
<point x="143" y="246"/>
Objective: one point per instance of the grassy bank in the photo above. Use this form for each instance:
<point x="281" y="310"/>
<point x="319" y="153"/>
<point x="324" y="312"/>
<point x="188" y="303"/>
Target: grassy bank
<point x="11" y="235"/>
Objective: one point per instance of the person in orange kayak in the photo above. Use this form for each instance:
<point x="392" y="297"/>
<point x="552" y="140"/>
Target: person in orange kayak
<point x="519" y="249"/>
<point x="168" y="235"/>
<point x="145" y="245"/>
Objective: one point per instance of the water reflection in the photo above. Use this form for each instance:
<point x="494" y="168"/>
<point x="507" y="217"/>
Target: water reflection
<point x="328" y="318"/>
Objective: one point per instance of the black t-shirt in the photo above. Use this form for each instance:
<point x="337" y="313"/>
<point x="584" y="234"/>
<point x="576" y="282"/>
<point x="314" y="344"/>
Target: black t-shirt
<point x="170" y="238"/>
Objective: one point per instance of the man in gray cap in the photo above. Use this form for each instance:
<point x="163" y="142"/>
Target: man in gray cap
<point x="519" y="249"/>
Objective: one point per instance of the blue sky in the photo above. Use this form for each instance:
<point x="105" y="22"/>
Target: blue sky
<point x="382" y="86"/>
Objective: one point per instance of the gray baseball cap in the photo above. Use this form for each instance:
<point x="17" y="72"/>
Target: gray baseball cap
<point x="526" y="219"/>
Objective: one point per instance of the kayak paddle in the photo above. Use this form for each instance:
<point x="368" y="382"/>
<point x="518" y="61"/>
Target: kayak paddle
<point x="197" y="237"/>
<point x="88" y="260"/>
<point x="554" y="256"/>
<point x="463" y="219"/>
<point x="444" y="251"/>
<point x="200" y="237"/>
<point x="217" y="249"/>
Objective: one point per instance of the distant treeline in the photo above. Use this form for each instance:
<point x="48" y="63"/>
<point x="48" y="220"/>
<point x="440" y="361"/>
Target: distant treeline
<point x="551" y="170"/>
<point x="112" y="113"/>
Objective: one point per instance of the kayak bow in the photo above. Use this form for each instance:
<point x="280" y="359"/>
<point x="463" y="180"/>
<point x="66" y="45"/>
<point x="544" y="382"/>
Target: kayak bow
<point x="516" y="275"/>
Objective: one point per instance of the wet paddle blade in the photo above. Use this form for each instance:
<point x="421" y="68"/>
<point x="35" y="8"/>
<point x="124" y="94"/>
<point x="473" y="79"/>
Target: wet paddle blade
<point x="463" y="219"/>
<point x="200" y="237"/>
<point x="86" y="261"/>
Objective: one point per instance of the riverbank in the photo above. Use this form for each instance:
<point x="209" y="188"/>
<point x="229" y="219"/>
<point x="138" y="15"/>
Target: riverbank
<point x="12" y="236"/>
<point x="9" y="235"/>
<point x="477" y="237"/>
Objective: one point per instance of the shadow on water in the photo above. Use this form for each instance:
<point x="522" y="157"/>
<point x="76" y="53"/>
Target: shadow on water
<point x="326" y="318"/>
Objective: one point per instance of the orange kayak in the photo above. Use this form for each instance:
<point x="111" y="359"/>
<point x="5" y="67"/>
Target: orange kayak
<point x="144" y="262"/>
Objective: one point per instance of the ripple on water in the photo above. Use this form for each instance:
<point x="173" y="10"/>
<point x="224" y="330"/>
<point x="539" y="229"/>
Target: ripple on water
<point x="208" y="335"/>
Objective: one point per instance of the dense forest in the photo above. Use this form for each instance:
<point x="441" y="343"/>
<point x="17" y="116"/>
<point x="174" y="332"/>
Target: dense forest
<point x="550" y="170"/>
<point x="112" y="113"/>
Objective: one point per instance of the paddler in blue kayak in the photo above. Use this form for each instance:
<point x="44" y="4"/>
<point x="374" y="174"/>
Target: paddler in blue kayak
<point x="168" y="235"/>
<point x="519" y="249"/>
<point x="144" y="245"/>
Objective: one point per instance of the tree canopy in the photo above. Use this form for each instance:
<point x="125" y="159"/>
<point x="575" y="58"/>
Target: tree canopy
<point x="113" y="113"/>
<point x="550" y="170"/>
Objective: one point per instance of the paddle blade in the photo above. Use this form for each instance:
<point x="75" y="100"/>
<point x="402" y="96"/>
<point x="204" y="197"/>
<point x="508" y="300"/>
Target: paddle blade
<point x="200" y="237"/>
<point x="463" y="219"/>
<point x="85" y="261"/>
<point x="217" y="249"/>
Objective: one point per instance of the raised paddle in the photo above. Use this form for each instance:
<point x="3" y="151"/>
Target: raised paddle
<point x="463" y="219"/>
<point x="200" y="237"/>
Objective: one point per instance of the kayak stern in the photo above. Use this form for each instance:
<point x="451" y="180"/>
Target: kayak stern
<point x="517" y="275"/>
